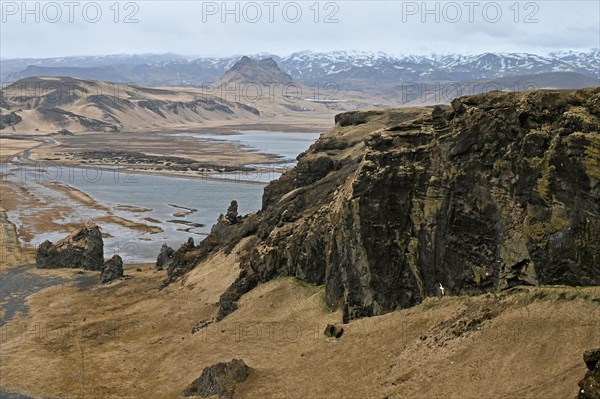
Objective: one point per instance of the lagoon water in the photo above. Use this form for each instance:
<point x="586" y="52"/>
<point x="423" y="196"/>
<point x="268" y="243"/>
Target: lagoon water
<point x="160" y="196"/>
<point x="285" y="145"/>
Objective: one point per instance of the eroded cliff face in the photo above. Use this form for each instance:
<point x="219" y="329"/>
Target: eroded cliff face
<point x="497" y="190"/>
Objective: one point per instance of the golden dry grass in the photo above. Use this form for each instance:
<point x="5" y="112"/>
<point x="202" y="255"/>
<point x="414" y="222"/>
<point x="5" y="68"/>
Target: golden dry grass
<point x="10" y="147"/>
<point x="131" y="340"/>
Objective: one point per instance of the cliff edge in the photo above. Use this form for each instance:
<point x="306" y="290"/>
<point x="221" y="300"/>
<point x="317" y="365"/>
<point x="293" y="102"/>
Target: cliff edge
<point x="389" y="206"/>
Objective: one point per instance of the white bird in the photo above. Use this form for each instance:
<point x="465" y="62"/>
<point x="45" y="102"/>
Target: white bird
<point x="441" y="289"/>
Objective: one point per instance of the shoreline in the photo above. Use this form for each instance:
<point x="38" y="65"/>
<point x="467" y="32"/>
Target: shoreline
<point x="18" y="156"/>
<point x="216" y="129"/>
<point x="18" y="242"/>
<point x="191" y="157"/>
<point x="12" y="254"/>
<point x="234" y="129"/>
<point x="270" y="164"/>
<point x="158" y="173"/>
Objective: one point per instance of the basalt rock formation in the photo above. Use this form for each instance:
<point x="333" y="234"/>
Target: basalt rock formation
<point x="228" y="230"/>
<point x="9" y="120"/>
<point x="219" y="379"/>
<point x="333" y="331"/>
<point x="112" y="270"/>
<point x="232" y="212"/>
<point x="589" y="386"/>
<point x="164" y="257"/>
<point x="494" y="191"/>
<point x="83" y="249"/>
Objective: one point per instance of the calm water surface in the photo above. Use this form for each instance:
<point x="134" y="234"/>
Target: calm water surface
<point x="160" y="196"/>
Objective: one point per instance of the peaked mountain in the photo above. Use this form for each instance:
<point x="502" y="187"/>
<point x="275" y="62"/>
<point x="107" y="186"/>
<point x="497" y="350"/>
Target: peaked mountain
<point x="262" y="72"/>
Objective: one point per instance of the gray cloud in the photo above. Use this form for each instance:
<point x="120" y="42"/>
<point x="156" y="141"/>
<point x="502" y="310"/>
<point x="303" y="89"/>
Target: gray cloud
<point x="396" y="27"/>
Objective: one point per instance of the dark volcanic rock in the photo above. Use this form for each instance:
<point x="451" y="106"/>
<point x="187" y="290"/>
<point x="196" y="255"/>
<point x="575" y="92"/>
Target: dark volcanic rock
<point x="83" y="249"/>
<point x="9" y="120"/>
<point x="498" y="190"/>
<point x="182" y="260"/>
<point x="64" y="132"/>
<point x="591" y="358"/>
<point x="188" y="245"/>
<point x="333" y="331"/>
<point x="224" y="234"/>
<point x="112" y="270"/>
<point x="200" y="325"/>
<point x="219" y="379"/>
<point x="232" y="212"/>
<point x="164" y="257"/>
<point x="589" y="386"/>
<point x="246" y="281"/>
<point x="355" y="117"/>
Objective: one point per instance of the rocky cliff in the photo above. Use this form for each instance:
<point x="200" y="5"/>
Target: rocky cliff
<point x="83" y="249"/>
<point x="496" y="190"/>
<point x="589" y="386"/>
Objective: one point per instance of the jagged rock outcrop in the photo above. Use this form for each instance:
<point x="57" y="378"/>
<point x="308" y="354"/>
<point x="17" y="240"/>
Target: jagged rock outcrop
<point x="164" y="257"/>
<point x="10" y="119"/>
<point x="232" y="212"/>
<point x="246" y="281"/>
<point x="333" y="331"/>
<point x="182" y="260"/>
<point x="64" y="132"/>
<point x="112" y="270"/>
<point x="82" y="249"/>
<point x="589" y="386"/>
<point x="223" y="235"/>
<point x="497" y="190"/>
<point x="219" y="379"/>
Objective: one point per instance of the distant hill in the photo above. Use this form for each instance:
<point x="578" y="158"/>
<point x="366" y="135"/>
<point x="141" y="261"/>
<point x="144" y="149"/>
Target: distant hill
<point x="436" y="93"/>
<point x="175" y="73"/>
<point x="50" y="104"/>
<point x="105" y="73"/>
<point x="262" y="72"/>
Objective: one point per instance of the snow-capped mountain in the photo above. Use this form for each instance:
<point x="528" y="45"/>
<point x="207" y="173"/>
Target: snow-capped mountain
<point x="581" y="59"/>
<point x="379" y="68"/>
<point x="493" y="65"/>
<point x="351" y="69"/>
<point x="347" y="69"/>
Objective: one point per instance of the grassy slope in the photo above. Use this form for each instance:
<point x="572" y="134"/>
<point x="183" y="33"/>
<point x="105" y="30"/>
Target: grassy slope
<point x="135" y="341"/>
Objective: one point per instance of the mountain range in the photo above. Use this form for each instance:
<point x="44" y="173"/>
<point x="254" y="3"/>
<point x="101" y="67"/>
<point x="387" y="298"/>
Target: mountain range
<point x="346" y="69"/>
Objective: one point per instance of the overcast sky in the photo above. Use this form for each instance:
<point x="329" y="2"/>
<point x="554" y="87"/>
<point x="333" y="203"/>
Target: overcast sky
<point x="282" y="27"/>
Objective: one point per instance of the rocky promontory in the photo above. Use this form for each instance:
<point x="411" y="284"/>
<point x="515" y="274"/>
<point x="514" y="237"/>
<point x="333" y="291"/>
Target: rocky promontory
<point x="392" y="206"/>
<point x="82" y="249"/>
